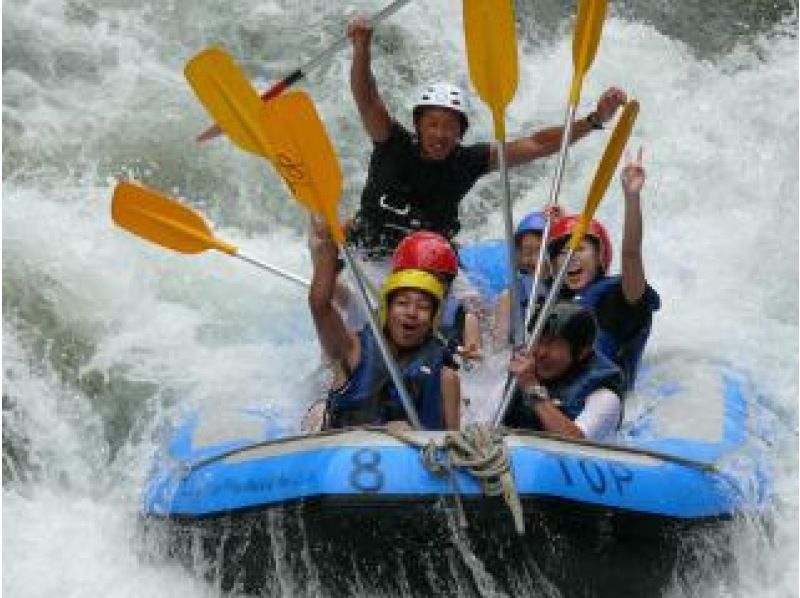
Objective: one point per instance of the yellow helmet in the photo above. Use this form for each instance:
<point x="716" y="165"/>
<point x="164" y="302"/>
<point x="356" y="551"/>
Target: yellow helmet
<point x="411" y="279"/>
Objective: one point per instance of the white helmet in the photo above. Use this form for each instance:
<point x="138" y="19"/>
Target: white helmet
<point x="443" y="95"/>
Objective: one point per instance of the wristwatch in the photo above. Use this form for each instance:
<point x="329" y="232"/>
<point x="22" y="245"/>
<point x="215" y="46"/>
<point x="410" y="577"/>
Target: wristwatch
<point x="593" y="120"/>
<point x="536" y="392"/>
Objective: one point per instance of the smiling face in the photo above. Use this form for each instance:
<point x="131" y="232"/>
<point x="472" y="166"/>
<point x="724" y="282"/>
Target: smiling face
<point x="439" y="131"/>
<point x="410" y="317"/>
<point x="584" y="266"/>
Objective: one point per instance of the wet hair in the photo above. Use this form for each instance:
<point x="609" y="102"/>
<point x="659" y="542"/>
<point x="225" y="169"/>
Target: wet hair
<point x="574" y="323"/>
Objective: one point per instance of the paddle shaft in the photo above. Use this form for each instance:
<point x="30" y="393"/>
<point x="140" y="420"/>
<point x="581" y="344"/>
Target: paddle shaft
<point x="552" y="298"/>
<point x="285" y="274"/>
<point x="517" y="334"/>
<point x="555" y="189"/>
<point x="377" y="333"/>
<point x="299" y="73"/>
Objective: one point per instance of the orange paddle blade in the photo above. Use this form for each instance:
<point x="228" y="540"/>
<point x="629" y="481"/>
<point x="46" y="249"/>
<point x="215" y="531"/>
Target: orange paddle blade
<point x="232" y="101"/>
<point x="605" y="170"/>
<point x="588" y="29"/>
<point x="304" y="155"/>
<point x="491" y="41"/>
<point x="162" y="220"/>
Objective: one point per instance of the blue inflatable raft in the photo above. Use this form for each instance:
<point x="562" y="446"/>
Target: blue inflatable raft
<point x="687" y="458"/>
<point x="226" y="488"/>
<point x="222" y="465"/>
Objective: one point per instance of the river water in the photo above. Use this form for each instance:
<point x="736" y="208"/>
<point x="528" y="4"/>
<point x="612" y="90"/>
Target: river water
<point x="106" y="338"/>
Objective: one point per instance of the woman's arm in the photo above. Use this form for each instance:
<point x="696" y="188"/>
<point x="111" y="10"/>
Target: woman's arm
<point x="336" y="341"/>
<point x="633" y="279"/>
<point x="451" y="399"/>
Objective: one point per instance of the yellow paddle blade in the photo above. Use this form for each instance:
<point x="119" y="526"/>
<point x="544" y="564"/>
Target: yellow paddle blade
<point x="304" y="155"/>
<point x="491" y="41"/>
<point x="232" y="101"/>
<point x="605" y="170"/>
<point x="588" y="29"/>
<point x="162" y="220"/>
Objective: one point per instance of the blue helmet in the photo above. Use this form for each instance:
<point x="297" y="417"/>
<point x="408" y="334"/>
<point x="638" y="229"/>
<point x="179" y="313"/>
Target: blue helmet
<point x="532" y="223"/>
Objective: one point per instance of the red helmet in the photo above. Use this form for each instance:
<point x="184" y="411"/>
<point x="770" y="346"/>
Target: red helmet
<point x="425" y="250"/>
<point x="563" y="227"/>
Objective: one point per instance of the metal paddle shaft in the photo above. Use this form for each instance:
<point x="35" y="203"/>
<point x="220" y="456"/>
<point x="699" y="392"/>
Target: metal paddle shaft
<point x="517" y="334"/>
<point x="552" y="297"/>
<point x="173" y="225"/>
<point x="491" y="42"/>
<point x="290" y="130"/>
<point x="605" y="170"/>
<point x="285" y="274"/>
<point x="299" y="73"/>
<point x="555" y="189"/>
<point x="388" y="358"/>
<point x="585" y="39"/>
<point x="341" y="42"/>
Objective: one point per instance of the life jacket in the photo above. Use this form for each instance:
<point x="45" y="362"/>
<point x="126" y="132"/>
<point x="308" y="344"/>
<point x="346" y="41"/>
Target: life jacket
<point x="405" y="192"/>
<point x="571" y="392"/>
<point x="627" y="353"/>
<point x="369" y="397"/>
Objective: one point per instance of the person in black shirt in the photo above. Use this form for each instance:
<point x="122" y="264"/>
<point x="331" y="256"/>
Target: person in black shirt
<point x="416" y="180"/>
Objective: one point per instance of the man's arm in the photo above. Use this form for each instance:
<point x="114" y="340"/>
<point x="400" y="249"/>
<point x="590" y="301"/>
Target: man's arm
<point x="523" y="366"/>
<point x="633" y="279"/>
<point x="371" y="106"/>
<point x="553" y="420"/>
<point x="547" y="142"/>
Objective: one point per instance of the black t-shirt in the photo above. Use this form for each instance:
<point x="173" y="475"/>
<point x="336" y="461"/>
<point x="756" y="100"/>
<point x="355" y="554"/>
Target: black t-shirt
<point x="405" y="193"/>
<point x="621" y="319"/>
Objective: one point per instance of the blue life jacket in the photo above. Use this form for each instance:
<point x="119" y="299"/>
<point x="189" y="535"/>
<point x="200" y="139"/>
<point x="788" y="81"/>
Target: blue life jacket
<point x="370" y="398"/>
<point x="595" y="373"/>
<point x="628" y="353"/>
